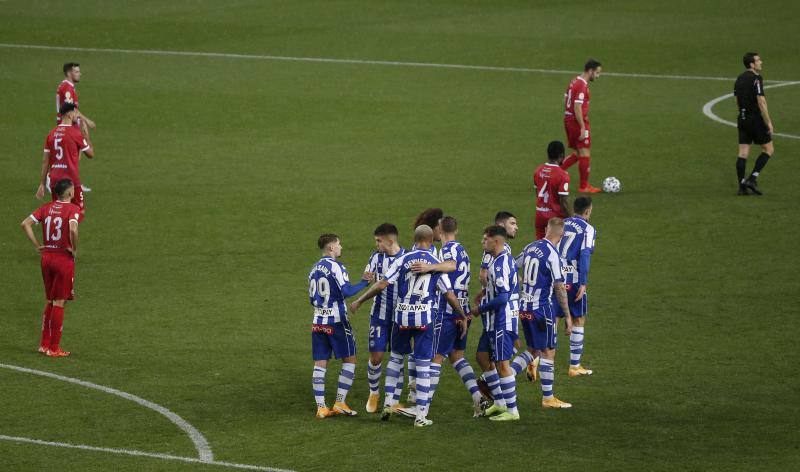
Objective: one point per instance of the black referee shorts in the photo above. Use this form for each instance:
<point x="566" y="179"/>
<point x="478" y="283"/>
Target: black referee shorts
<point x="753" y="130"/>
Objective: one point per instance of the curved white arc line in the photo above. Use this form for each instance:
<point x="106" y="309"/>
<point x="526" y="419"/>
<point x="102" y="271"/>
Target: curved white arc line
<point x="707" y="109"/>
<point x="204" y="453"/>
<point x="433" y="65"/>
<point x="133" y="452"/>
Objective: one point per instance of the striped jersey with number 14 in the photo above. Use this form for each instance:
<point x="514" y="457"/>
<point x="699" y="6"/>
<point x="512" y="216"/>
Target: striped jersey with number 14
<point x="416" y="293"/>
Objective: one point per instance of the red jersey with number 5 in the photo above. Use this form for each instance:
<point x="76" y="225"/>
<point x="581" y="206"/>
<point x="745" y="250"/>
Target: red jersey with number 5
<point x="64" y="146"/>
<point x="65" y="94"/>
<point x="577" y="92"/>
<point x="550" y="181"/>
<point x="54" y="218"/>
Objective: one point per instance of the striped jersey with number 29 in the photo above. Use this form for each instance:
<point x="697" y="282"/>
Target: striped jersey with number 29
<point x="325" y="283"/>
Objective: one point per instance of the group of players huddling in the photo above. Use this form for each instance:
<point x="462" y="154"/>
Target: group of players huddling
<point x="422" y="310"/>
<point x="59" y="175"/>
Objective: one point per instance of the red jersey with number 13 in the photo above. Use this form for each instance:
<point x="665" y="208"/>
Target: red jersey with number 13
<point x="64" y="145"/>
<point x="550" y="181"/>
<point x="54" y="218"/>
<point x="577" y="92"/>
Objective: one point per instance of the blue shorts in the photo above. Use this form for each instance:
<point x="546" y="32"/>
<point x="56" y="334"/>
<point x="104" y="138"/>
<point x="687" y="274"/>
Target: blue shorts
<point x="334" y="338"/>
<point x="502" y="344"/>
<point x="422" y="337"/>
<point x="483" y="343"/>
<point x="577" y="309"/>
<point x="447" y="337"/>
<point x="539" y="328"/>
<point x="380" y="335"/>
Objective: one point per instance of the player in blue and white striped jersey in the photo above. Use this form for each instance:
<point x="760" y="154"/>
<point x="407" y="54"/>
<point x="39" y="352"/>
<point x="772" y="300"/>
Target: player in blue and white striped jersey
<point x="501" y="311"/>
<point x="413" y="318"/>
<point x="508" y="221"/>
<point x="331" y="333"/>
<point x="541" y="277"/>
<point x="380" y="321"/>
<point x="576" y="249"/>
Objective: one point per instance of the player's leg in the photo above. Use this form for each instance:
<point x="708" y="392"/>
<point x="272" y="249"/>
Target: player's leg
<point x="546" y="341"/>
<point x="492" y="376"/>
<point x="401" y="346"/>
<point x="767" y="150"/>
<point x="378" y="342"/>
<point x="484" y="360"/>
<point x="467" y="376"/>
<point x="62" y="271"/>
<point x="584" y="168"/>
<point x="526" y="358"/>
<point x="579" y="309"/>
<point x="570" y="160"/>
<point x="321" y="349"/>
<point x="572" y="130"/>
<point x="741" y="163"/>
<point x="423" y="353"/>
<point x="505" y="349"/>
<point x="442" y="345"/>
<point x="44" y="341"/>
<point x="344" y="347"/>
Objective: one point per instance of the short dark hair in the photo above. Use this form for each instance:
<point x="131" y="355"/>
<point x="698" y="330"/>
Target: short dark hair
<point x="69" y="66"/>
<point x="582" y="204"/>
<point x="749" y="58"/>
<point x="502" y="216"/>
<point x="430" y="217"/>
<point x="66" y="107"/>
<point x="555" y="150"/>
<point x="591" y="64"/>
<point x="386" y="229"/>
<point x="495" y="230"/>
<point x="449" y="225"/>
<point x="325" y="239"/>
<point x="61" y="187"/>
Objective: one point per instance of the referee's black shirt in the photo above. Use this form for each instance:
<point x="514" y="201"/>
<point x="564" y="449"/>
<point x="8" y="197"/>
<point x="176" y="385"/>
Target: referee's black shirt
<point x="748" y="87"/>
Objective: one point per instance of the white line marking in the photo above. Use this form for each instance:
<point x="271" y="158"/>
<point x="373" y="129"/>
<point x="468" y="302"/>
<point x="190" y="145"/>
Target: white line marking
<point x="204" y="453"/>
<point x="707" y="109"/>
<point x="432" y="65"/>
<point x="131" y="452"/>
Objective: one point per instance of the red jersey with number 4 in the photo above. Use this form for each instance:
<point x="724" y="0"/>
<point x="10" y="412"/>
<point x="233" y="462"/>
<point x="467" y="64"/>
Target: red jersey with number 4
<point x="64" y="145"/>
<point x="54" y="218"/>
<point x="577" y="92"/>
<point x="65" y="94"/>
<point x="550" y="181"/>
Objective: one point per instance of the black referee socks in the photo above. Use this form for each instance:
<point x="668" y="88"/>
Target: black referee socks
<point x="740" y="165"/>
<point x="760" y="163"/>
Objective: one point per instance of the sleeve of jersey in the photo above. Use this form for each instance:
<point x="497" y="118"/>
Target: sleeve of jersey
<point x="588" y="239"/>
<point x="496" y="302"/>
<point x="443" y="284"/>
<point x="37" y="216"/>
<point x="520" y="259"/>
<point x="563" y="187"/>
<point x="502" y="277"/>
<point x="580" y="92"/>
<point x="555" y="267"/>
<point x="583" y="274"/>
<point x="371" y="263"/>
<point x="485" y="261"/>
<point x="450" y="254"/>
<point x="759" y="87"/>
<point x="47" y="144"/>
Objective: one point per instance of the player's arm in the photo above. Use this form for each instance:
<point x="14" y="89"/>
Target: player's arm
<point x="578" y="114"/>
<point x="583" y="272"/>
<point x="423" y="268"/>
<point x="73" y="236"/>
<point x="86" y="121"/>
<point x="496" y="302"/>
<point x="43" y="174"/>
<point x="564" y="202"/>
<point x="369" y="294"/>
<point x="87" y="149"/>
<point x="27" y="227"/>
<point x="762" y="105"/>
<point x="561" y="295"/>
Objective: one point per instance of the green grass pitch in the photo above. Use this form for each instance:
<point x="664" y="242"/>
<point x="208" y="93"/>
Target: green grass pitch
<point x="215" y="175"/>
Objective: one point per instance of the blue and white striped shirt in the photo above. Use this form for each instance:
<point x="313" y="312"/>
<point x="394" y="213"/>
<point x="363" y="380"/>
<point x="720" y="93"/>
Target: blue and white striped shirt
<point x="459" y="279"/>
<point x="577" y="243"/>
<point x="383" y="305"/>
<point x="416" y="293"/>
<point x="541" y="268"/>
<point x="325" y="283"/>
<point x="503" y="279"/>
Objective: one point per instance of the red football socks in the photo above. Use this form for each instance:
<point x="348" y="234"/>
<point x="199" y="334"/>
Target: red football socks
<point x="583" y="167"/>
<point x="571" y="159"/>
<point x="56" y="324"/>
<point x="45" y="341"/>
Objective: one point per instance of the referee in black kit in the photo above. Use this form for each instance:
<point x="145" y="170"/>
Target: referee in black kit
<point x="755" y="126"/>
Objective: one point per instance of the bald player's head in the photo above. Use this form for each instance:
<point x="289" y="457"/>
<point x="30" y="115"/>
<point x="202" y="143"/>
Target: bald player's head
<point x="423" y="234"/>
<point x="555" y="230"/>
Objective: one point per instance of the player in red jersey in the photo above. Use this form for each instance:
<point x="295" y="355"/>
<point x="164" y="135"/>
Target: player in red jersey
<point x="62" y="152"/>
<point x="66" y="93"/>
<point x="576" y="123"/>
<point x="59" y="220"/>
<point x="552" y="188"/>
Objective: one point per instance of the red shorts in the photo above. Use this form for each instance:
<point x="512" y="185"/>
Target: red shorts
<point x="573" y="130"/>
<point x="77" y="198"/>
<point x="58" y="272"/>
<point x="541" y="222"/>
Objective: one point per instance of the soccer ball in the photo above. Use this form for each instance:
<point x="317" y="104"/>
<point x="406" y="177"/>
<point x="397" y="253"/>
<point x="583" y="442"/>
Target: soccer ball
<point x="612" y="185"/>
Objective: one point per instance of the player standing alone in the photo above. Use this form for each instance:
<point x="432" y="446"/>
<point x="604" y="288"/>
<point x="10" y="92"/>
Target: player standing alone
<point x="59" y="220"/>
<point x="66" y="93"/>
<point x="552" y="188"/>
<point x="576" y="123"/>
<point x="755" y="126"/>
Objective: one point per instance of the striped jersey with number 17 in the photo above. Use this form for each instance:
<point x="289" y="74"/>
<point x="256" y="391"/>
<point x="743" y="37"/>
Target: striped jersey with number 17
<point x="579" y="237"/>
